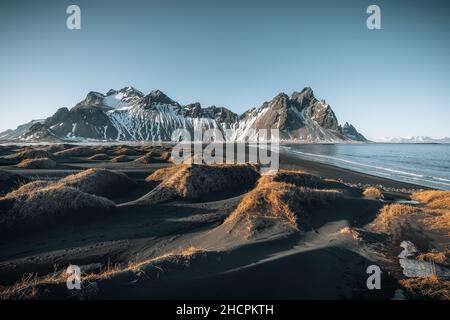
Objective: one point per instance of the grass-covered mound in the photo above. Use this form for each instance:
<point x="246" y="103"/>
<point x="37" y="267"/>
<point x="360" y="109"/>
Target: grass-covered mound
<point x="122" y="158"/>
<point x="419" y="223"/>
<point x="196" y="181"/>
<point x="127" y="151"/>
<point x="40" y="163"/>
<point x="433" y="213"/>
<point x="145" y="159"/>
<point x="373" y="193"/>
<point x="100" y="182"/>
<point x="53" y="148"/>
<point x="80" y="151"/>
<point x="10" y="181"/>
<point x="99" y="157"/>
<point x="29" y="154"/>
<point x="275" y="207"/>
<point x="39" y="206"/>
<point x="295" y="177"/>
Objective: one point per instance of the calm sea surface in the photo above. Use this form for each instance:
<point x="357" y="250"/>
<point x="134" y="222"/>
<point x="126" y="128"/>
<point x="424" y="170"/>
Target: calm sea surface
<point x="423" y="164"/>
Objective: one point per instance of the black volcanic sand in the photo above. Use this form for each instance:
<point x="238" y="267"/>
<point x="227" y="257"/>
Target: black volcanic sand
<point x="320" y="264"/>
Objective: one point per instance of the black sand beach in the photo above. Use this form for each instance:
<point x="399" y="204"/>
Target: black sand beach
<point x="184" y="248"/>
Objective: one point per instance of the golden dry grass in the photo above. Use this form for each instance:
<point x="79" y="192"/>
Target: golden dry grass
<point x="27" y="188"/>
<point x="274" y="202"/>
<point x="388" y="219"/>
<point x="437" y="206"/>
<point x="166" y="155"/>
<point x="29" y="154"/>
<point x="147" y="158"/>
<point x="165" y="173"/>
<point x="274" y="199"/>
<point x="351" y="232"/>
<point x="195" y="181"/>
<point x="10" y="181"/>
<point x="38" y="206"/>
<point x="373" y="193"/>
<point x="122" y="158"/>
<point x="28" y="287"/>
<point x="429" y="288"/>
<point x="100" y="182"/>
<point x="126" y="151"/>
<point x="442" y="257"/>
<point x="430" y="196"/>
<point x="52" y="148"/>
<point x="39" y="163"/>
<point x="433" y="213"/>
<point x="99" y="156"/>
<point x="295" y="177"/>
<point x="80" y="151"/>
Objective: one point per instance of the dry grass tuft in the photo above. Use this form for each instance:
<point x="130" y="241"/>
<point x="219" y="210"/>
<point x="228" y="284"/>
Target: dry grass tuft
<point x="145" y="159"/>
<point x="428" y="288"/>
<point x="436" y="256"/>
<point x="10" y="181"/>
<point x="430" y="195"/>
<point x="44" y="207"/>
<point x="276" y="204"/>
<point x="163" y="174"/>
<point x="127" y="151"/>
<point x="28" y="187"/>
<point x="389" y="219"/>
<point x="166" y="155"/>
<point x="100" y="182"/>
<point x="295" y="177"/>
<point x="29" y="286"/>
<point x="80" y="151"/>
<point x="435" y="199"/>
<point x="433" y="214"/>
<point x="351" y="232"/>
<point x="189" y="251"/>
<point x="40" y="163"/>
<point x="437" y="206"/>
<point x="122" y="158"/>
<point x="99" y="156"/>
<point x="52" y="148"/>
<point x="29" y="154"/>
<point x="373" y="193"/>
<point x="195" y="181"/>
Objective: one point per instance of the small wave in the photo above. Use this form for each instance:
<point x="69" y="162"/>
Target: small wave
<point x="378" y="170"/>
<point x="362" y="164"/>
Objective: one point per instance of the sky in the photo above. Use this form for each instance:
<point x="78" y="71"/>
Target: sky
<point x="234" y="53"/>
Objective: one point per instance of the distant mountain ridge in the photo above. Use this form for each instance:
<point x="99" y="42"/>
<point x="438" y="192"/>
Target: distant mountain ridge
<point x="129" y="115"/>
<point x="414" y="139"/>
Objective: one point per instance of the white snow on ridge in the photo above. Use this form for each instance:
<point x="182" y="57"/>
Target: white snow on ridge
<point x="413" y="139"/>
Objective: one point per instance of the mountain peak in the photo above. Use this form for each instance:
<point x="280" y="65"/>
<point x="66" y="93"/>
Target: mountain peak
<point x="93" y="99"/>
<point x="304" y="97"/>
<point x="126" y="114"/>
<point x="131" y="91"/>
<point x="158" y="96"/>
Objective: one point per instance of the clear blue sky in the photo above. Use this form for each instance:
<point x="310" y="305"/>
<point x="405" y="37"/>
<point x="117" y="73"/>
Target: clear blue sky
<point x="234" y="53"/>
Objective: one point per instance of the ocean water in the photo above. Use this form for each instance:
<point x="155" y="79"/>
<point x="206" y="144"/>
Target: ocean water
<point x="422" y="164"/>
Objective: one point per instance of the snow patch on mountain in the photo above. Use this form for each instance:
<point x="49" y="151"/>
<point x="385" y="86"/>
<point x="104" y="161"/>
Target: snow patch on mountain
<point x="128" y="114"/>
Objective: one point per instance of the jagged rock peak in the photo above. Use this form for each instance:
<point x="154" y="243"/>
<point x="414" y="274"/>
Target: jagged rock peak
<point x="157" y="96"/>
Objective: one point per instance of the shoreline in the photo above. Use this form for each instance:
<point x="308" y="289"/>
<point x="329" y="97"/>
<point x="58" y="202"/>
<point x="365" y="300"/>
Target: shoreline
<point x="329" y="171"/>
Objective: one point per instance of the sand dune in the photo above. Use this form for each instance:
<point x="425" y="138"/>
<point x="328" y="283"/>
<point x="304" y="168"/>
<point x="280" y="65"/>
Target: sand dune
<point x="308" y="231"/>
<point x="196" y="181"/>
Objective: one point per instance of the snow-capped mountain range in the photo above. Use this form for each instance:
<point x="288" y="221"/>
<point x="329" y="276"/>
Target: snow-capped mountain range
<point x="414" y="139"/>
<point x="129" y="115"/>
